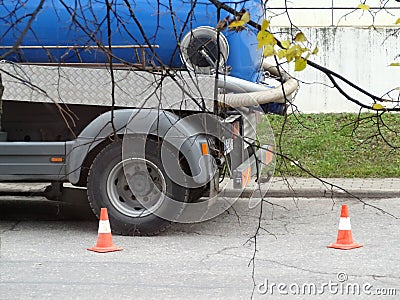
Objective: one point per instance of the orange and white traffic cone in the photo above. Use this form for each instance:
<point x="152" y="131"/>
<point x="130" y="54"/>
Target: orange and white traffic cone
<point x="104" y="239"/>
<point x="344" y="239"/>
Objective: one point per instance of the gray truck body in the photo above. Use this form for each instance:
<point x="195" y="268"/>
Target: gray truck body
<point x="144" y="103"/>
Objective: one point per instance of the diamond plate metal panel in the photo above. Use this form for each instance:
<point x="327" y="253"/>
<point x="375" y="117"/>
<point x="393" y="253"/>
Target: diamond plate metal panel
<point x="93" y="86"/>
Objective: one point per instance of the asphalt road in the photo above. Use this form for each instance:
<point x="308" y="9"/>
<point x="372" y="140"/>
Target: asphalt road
<point x="44" y="256"/>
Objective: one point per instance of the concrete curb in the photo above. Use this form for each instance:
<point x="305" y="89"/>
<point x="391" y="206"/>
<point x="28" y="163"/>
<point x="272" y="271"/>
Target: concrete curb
<point x="312" y="188"/>
<point x="311" y="193"/>
<point x="278" y="188"/>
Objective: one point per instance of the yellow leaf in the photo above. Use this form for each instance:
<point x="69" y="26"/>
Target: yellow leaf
<point x="285" y="44"/>
<point x="265" y="38"/>
<point x="264" y="25"/>
<point x="315" y="51"/>
<point x="281" y="53"/>
<point x="300" y="64"/>
<point x="397" y="21"/>
<point x="300" y="37"/>
<point x="363" y="6"/>
<point x="394" y="65"/>
<point x="245" y="17"/>
<point x="377" y="106"/>
<point x="236" y="23"/>
<point x="304" y="50"/>
<point x="293" y="52"/>
<point x="269" y="51"/>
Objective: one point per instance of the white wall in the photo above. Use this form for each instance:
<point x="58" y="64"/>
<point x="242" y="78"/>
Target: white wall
<point x="354" y="49"/>
<point x="333" y="12"/>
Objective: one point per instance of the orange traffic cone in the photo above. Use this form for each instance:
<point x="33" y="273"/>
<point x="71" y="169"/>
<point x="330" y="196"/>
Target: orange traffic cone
<point x="104" y="239"/>
<point x="344" y="239"/>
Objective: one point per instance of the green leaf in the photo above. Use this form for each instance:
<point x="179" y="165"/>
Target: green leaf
<point x="394" y="64"/>
<point x="397" y="21"/>
<point x="300" y="64"/>
<point x="363" y="6"/>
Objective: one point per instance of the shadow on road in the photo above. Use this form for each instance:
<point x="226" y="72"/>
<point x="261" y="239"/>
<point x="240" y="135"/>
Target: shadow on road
<point x="74" y="206"/>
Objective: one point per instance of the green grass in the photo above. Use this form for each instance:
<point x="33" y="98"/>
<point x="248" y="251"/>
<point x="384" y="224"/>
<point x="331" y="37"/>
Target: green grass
<point x="331" y="145"/>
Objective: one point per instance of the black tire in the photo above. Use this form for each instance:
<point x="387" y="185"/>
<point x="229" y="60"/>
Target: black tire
<point x="108" y="187"/>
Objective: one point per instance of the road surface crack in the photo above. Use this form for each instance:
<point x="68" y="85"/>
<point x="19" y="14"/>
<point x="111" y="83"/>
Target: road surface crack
<point x="12" y="227"/>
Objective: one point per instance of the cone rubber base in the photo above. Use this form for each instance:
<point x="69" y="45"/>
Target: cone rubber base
<point x="105" y="249"/>
<point x="345" y="246"/>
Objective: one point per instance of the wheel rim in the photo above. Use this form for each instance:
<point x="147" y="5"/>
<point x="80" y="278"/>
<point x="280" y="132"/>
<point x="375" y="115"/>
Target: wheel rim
<point x="136" y="187"/>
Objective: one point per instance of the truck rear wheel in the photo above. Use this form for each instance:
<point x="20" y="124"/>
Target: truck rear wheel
<point x="134" y="207"/>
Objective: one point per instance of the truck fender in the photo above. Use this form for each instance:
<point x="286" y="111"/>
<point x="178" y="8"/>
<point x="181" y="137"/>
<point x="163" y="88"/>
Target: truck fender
<point x="154" y="122"/>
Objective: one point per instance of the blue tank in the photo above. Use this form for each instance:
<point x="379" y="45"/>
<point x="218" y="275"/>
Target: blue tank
<point x="84" y="22"/>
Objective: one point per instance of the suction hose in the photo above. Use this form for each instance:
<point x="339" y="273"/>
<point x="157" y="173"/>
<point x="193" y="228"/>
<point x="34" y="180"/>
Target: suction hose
<point x="244" y="93"/>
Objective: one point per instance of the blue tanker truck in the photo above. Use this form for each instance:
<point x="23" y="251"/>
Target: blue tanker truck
<point x="144" y="103"/>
